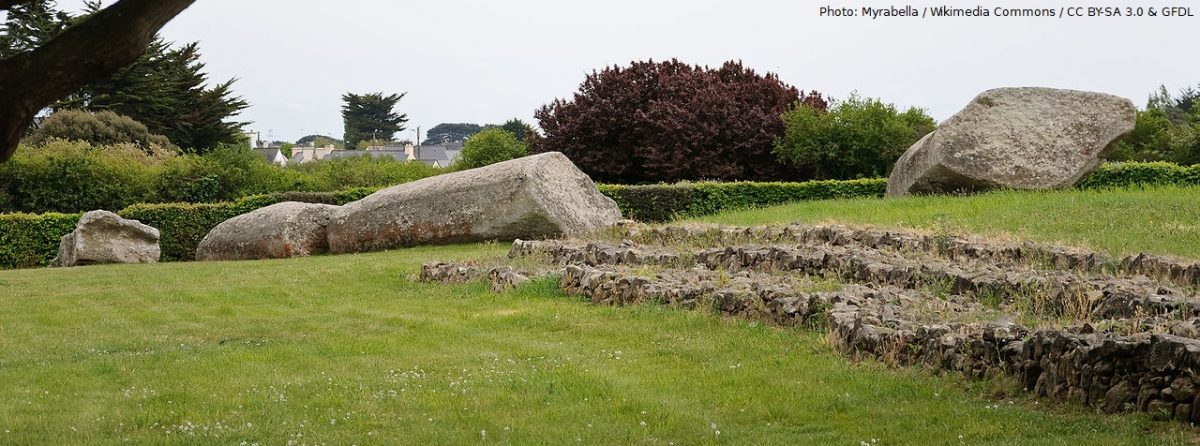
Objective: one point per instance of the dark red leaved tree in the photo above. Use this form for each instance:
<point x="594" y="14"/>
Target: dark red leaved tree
<point x="669" y="121"/>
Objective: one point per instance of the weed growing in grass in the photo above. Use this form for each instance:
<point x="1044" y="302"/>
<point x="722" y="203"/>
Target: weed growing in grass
<point x="940" y="288"/>
<point x="532" y="262"/>
<point x="990" y="298"/>
<point x="722" y="279"/>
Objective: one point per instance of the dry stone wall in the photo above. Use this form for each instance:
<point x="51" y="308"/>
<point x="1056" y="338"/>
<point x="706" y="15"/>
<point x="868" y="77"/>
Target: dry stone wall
<point x="1070" y="324"/>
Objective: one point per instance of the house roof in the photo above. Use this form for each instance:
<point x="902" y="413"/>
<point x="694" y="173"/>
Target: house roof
<point x="269" y="154"/>
<point x="444" y="154"/>
<point x="397" y="154"/>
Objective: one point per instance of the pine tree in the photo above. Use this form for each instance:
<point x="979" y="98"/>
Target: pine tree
<point x="29" y="25"/>
<point x="165" y="89"/>
<point x="371" y="117"/>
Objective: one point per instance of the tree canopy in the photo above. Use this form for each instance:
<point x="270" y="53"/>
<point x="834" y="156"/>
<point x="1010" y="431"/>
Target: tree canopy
<point x="166" y="90"/>
<point x="447" y="133"/>
<point x="1167" y="130"/>
<point x="371" y="117"/>
<point x="520" y="129"/>
<point x="320" y="141"/>
<point x="670" y="121"/>
<point x="94" y="47"/>
<point x="29" y="25"/>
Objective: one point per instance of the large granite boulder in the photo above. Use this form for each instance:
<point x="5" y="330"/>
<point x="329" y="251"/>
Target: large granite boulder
<point x="277" y="231"/>
<point x="532" y="197"/>
<point x="105" y="237"/>
<point x="1019" y="138"/>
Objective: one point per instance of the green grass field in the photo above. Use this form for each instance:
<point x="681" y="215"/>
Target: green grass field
<point x="1117" y="222"/>
<point x="349" y="350"/>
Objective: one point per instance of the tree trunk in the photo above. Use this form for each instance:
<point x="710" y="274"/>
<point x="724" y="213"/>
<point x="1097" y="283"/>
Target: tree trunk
<point x="98" y="47"/>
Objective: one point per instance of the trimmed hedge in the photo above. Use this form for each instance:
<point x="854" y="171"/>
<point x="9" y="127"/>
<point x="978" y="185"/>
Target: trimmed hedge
<point x="28" y="240"/>
<point x="657" y="203"/>
<point x="183" y="225"/>
<point x="1121" y="175"/>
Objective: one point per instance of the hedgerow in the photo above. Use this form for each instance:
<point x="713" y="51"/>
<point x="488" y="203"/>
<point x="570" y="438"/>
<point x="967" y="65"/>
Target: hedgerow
<point x="656" y="203"/>
<point x="29" y="240"/>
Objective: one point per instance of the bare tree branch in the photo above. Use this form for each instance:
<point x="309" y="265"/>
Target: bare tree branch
<point x="98" y="47"/>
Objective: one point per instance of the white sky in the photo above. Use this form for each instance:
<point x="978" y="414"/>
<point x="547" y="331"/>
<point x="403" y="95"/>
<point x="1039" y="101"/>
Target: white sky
<point x="488" y="61"/>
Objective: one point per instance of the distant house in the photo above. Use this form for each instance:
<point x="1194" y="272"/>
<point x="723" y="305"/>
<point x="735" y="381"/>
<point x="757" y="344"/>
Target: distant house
<point x="436" y="156"/>
<point x="273" y="155"/>
<point x="301" y="155"/>
<point x="442" y="155"/>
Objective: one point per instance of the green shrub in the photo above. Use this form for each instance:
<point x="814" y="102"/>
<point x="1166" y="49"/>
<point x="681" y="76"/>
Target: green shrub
<point x="856" y="138"/>
<point x="359" y="171"/>
<point x="63" y="176"/>
<point x="224" y="174"/>
<point x="99" y="128"/>
<point x="1149" y="141"/>
<point x="490" y="147"/>
<point x="28" y="240"/>
<point x="665" y="202"/>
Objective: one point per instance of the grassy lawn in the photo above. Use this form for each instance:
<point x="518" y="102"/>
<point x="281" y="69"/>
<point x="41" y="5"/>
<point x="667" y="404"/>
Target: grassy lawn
<point x="349" y="350"/>
<point x="1158" y="220"/>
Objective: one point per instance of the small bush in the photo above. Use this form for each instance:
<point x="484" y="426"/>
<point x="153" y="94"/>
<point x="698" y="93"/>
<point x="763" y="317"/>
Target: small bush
<point x="857" y="138"/>
<point x="490" y="147"/>
<point x="100" y="128"/>
<point x="28" y="241"/>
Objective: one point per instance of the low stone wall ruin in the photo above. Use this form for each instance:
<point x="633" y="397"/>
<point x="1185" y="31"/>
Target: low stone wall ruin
<point x="1069" y="324"/>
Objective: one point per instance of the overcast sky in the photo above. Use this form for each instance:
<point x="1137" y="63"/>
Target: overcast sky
<point x="488" y="61"/>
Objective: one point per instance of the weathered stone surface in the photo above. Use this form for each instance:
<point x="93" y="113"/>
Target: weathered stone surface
<point x="533" y="197"/>
<point x="105" y="237"/>
<point x="277" y="231"/>
<point x="1021" y="138"/>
